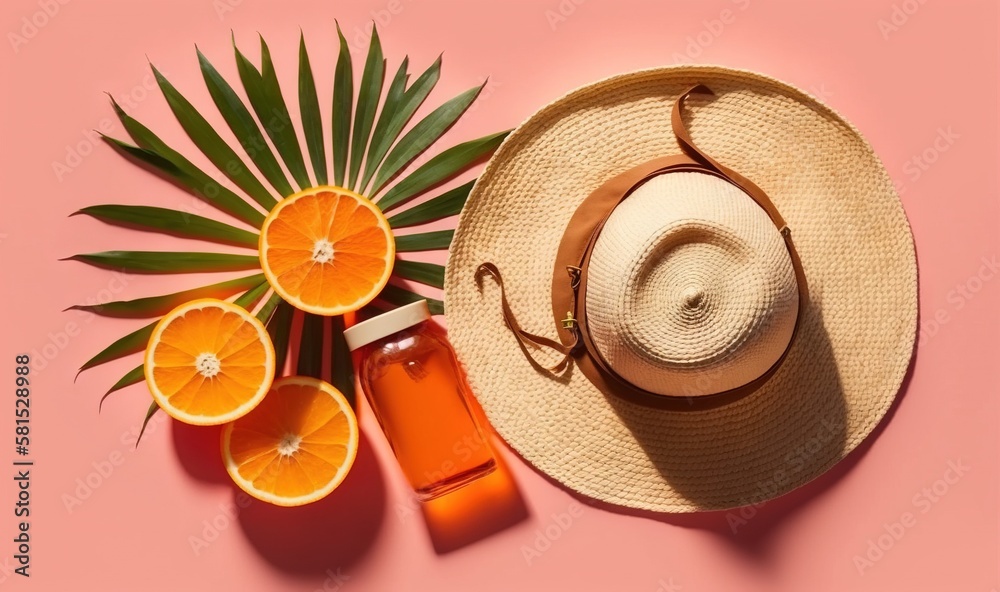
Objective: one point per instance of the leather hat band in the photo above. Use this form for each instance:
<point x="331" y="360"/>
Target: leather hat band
<point x="569" y="283"/>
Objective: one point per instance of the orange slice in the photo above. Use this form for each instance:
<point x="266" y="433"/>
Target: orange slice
<point x="209" y="362"/>
<point x="296" y="446"/>
<point x="327" y="250"/>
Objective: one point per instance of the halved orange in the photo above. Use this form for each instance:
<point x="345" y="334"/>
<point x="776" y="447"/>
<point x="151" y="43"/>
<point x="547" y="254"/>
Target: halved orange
<point x="209" y="362"/>
<point x="296" y="446"/>
<point x="327" y="250"/>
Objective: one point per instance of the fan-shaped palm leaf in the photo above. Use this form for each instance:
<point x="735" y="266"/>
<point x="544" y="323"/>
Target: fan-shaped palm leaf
<point x="370" y="152"/>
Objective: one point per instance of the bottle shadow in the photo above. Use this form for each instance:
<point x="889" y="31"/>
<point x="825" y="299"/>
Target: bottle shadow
<point x="332" y="533"/>
<point x="478" y="510"/>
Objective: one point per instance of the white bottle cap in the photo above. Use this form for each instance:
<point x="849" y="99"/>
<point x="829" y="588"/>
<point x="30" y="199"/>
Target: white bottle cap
<point x="386" y="324"/>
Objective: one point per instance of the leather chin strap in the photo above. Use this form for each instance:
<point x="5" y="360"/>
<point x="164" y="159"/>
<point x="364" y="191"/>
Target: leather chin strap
<point x="569" y="283"/>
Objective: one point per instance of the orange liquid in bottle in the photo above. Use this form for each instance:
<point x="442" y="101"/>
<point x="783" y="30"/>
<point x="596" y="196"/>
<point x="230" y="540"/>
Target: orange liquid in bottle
<point x="417" y="391"/>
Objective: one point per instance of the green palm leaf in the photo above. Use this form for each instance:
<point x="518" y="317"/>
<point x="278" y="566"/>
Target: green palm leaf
<point x="153" y="408"/>
<point x="343" y="96"/>
<point x="276" y="102"/>
<point x="265" y="312"/>
<point x="265" y="97"/>
<point x="312" y="121"/>
<point x="244" y="127"/>
<point x="341" y="365"/>
<point x="134" y="376"/>
<point x="129" y="344"/>
<point x="154" y="306"/>
<point x="425" y="241"/>
<point x="442" y="167"/>
<point x="180" y="170"/>
<point x="212" y="145"/>
<point x="250" y="297"/>
<point x="368" y="97"/>
<point x="279" y="327"/>
<point x="423" y="134"/>
<point x="167" y="262"/>
<point x="173" y="222"/>
<point x="369" y="152"/>
<point x="442" y="206"/>
<point x="431" y="274"/>
<point x="310" y="362"/>
<point x="393" y="294"/>
<point x="400" y="105"/>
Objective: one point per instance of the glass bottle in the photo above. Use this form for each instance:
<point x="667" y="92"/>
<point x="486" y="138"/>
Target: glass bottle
<point x="419" y="395"/>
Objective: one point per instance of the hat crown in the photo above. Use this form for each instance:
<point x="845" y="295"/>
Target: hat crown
<point x="691" y="288"/>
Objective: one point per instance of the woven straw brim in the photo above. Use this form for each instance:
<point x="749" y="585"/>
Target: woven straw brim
<point x="855" y="339"/>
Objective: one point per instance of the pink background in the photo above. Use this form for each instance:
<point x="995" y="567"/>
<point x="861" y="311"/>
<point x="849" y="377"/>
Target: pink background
<point x="933" y="76"/>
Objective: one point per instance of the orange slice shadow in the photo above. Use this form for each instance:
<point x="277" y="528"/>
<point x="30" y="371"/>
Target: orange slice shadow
<point x="334" y="532"/>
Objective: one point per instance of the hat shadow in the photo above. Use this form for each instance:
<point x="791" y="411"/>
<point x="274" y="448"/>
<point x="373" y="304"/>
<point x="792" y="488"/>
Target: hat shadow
<point x="748" y="527"/>
<point x="812" y="421"/>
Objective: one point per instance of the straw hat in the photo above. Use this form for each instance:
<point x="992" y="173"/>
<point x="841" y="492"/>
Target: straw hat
<point x="687" y="288"/>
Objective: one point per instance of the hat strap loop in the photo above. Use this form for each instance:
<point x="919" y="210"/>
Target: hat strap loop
<point x="688" y="146"/>
<point x="525" y="339"/>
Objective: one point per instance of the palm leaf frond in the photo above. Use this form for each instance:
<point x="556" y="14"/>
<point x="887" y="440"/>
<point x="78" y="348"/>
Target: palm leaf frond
<point x="368" y="97"/>
<point x="342" y="374"/>
<point x="430" y="274"/>
<point x="398" y="296"/>
<point x="251" y="296"/>
<point x="312" y="121"/>
<point x="154" y="306"/>
<point x="167" y="262"/>
<point x="265" y="96"/>
<point x="424" y="241"/>
<point x="177" y="223"/>
<point x="243" y="126"/>
<point x="400" y="105"/>
<point x="439" y="169"/>
<point x="180" y="170"/>
<point x="212" y="145"/>
<point x="279" y="327"/>
<point x="447" y="204"/>
<point x="265" y="312"/>
<point x="153" y="408"/>
<point x="310" y="362"/>
<point x="423" y="134"/>
<point x="372" y="145"/>
<point x="129" y="344"/>
<point x="343" y="97"/>
<point x="134" y="376"/>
